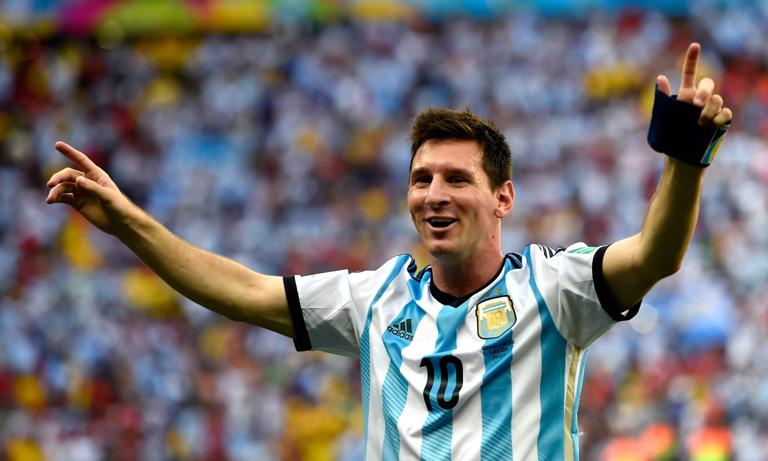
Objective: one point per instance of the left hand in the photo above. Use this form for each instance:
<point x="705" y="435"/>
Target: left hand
<point x="702" y="96"/>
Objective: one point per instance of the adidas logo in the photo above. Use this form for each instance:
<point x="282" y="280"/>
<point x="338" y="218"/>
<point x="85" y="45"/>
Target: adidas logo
<point x="403" y="329"/>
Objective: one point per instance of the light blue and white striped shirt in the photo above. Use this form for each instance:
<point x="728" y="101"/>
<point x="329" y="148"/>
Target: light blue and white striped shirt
<point x="493" y="376"/>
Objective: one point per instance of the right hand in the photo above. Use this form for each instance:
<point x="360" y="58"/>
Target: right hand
<point x="90" y="191"/>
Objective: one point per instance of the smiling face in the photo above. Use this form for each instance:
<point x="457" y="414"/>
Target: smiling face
<point x="456" y="211"/>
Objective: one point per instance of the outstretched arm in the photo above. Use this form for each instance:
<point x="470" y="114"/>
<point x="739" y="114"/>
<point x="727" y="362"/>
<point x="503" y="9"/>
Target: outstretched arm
<point x="632" y="266"/>
<point x="215" y="282"/>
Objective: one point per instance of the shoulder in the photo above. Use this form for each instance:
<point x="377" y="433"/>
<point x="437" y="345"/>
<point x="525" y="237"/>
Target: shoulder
<point x="399" y="270"/>
<point x="401" y="264"/>
<point x="546" y="260"/>
<point x="544" y="251"/>
<point x="534" y="254"/>
<point x="541" y="251"/>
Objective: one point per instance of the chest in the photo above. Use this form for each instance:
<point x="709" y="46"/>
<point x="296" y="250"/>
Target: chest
<point x="443" y="350"/>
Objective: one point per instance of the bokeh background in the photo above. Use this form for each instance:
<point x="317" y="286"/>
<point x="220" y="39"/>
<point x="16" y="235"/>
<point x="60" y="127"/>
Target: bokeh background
<point x="275" y="132"/>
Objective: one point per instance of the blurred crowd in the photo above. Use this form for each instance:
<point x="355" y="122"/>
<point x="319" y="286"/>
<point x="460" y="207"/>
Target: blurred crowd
<point x="288" y="152"/>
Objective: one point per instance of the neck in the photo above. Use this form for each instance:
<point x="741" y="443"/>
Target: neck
<point x="460" y="278"/>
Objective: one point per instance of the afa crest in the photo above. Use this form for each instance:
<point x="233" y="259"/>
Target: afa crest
<point x="495" y="316"/>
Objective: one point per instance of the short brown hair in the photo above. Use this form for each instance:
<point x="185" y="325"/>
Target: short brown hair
<point x="450" y="124"/>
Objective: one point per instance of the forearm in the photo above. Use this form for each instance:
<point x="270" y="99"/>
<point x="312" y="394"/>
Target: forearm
<point x="633" y="266"/>
<point x="215" y="282"/>
<point x="671" y="219"/>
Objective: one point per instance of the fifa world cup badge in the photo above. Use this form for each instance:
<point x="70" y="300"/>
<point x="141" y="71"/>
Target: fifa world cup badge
<point x="495" y="316"/>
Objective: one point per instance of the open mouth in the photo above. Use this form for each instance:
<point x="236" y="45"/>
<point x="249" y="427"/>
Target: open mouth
<point x="440" y="223"/>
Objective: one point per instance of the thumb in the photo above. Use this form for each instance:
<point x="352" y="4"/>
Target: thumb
<point x="93" y="187"/>
<point x="664" y="85"/>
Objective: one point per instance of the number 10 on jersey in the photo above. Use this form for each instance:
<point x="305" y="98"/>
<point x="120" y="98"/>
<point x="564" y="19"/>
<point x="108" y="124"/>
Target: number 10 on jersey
<point x="451" y="373"/>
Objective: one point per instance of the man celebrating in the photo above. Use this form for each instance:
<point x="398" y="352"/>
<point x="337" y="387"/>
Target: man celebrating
<point x="481" y="354"/>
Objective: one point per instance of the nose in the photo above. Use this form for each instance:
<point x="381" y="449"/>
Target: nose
<point x="437" y="194"/>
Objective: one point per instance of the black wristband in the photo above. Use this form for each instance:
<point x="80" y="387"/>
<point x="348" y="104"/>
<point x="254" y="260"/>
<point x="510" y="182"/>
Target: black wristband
<point x="675" y="131"/>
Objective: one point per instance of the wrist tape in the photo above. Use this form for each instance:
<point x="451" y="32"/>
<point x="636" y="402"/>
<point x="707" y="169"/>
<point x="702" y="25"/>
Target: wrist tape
<point x="675" y="131"/>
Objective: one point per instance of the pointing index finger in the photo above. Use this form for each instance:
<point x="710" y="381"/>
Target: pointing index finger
<point x="690" y="66"/>
<point x="82" y="160"/>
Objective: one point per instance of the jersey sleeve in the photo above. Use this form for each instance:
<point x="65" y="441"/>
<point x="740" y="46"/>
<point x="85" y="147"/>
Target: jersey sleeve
<point x="329" y="310"/>
<point x="574" y="290"/>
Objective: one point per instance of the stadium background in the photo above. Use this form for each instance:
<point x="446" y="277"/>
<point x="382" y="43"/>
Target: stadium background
<point x="275" y="133"/>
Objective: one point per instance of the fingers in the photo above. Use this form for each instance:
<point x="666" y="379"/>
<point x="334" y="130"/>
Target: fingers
<point x="711" y="109"/>
<point x="690" y="67"/>
<point x="86" y="168"/>
<point x="65" y="192"/>
<point x="715" y="113"/>
<point x="67" y="198"/>
<point x="65" y="175"/>
<point x="82" y="160"/>
<point x="60" y="192"/>
<point x="723" y="117"/>
<point x="93" y="187"/>
<point x="701" y="95"/>
<point x="704" y="92"/>
<point x="664" y="85"/>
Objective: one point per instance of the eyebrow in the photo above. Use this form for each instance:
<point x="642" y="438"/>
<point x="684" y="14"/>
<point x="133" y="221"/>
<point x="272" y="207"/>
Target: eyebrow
<point x="448" y="171"/>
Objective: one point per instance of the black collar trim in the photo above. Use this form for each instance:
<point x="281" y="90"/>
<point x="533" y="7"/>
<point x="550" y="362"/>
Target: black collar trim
<point x="456" y="301"/>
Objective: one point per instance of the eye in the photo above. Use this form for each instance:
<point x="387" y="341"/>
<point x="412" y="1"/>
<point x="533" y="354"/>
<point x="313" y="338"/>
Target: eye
<point x="457" y="180"/>
<point x="421" y="179"/>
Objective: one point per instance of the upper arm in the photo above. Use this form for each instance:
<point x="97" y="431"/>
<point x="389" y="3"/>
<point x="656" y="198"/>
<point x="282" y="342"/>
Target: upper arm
<point x="325" y="314"/>
<point x="626" y="277"/>
<point x="329" y="310"/>
<point x="266" y="304"/>
<point x="575" y="292"/>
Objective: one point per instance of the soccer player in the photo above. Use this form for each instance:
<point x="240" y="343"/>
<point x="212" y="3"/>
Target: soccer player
<point x="481" y="354"/>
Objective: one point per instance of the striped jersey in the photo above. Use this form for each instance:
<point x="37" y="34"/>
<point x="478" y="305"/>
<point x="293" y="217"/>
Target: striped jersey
<point x="492" y="376"/>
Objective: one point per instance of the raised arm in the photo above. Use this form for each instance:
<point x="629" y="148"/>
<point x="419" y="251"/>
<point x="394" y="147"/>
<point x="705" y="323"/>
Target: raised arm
<point x="213" y="281"/>
<point x="632" y="266"/>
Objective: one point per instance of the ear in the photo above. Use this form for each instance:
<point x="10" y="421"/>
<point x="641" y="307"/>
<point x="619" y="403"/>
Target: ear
<point x="505" y="199"/>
